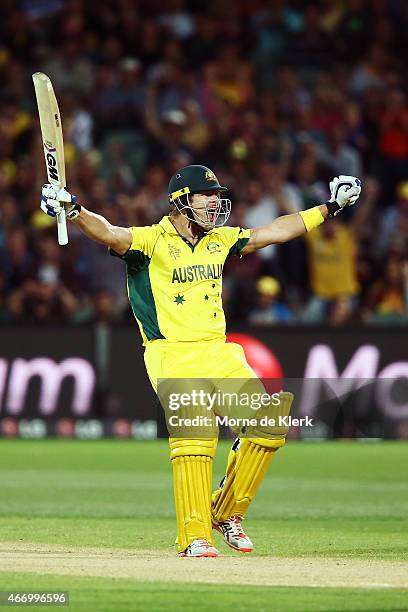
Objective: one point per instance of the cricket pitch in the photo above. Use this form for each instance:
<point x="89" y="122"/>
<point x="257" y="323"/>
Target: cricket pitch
<point x="151" y="566"/>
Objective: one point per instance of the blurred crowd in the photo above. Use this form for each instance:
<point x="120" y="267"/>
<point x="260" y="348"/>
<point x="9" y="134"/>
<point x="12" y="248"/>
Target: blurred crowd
<point x="276" y="97"/>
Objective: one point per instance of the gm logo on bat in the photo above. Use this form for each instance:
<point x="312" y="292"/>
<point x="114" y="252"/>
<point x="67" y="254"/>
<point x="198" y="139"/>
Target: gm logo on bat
<point x="51" y="159"/>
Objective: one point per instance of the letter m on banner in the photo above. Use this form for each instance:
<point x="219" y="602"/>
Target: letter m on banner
<point x="51" y="376"/>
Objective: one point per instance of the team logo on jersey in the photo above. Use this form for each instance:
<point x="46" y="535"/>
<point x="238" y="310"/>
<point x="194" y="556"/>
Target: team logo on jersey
<point x="174" y="251"/>
<point x="213" y="247"/>
<point x="210" y="176"/>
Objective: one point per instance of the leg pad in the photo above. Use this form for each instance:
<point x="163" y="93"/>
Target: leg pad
<point x="248" y="462"/>
<point x="192" y="479"/>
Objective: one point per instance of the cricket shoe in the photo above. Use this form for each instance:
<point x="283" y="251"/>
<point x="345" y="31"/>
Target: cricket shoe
<point x="233" y="534"/>
<point x="199" y="548"/>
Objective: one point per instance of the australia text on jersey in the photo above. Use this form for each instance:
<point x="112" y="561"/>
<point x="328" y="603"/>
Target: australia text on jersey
<point x="188" y="274"/>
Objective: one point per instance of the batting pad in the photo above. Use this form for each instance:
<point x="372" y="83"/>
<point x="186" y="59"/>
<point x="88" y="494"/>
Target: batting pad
<point x="192" y="480"/>
<point x="248" y="462"/>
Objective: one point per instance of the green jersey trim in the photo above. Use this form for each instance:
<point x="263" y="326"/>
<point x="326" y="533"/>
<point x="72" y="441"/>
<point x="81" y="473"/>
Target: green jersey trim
<point x="237" y="247"/>
<point x="141" y="294"/>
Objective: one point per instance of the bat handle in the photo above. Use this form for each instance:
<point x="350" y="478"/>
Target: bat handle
<point x="62" y="228"/>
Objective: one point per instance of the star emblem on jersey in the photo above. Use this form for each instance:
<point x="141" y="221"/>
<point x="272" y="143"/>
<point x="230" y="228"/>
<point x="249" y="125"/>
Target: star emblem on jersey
<point x="179" y="299"/>
<point x="206" y="297"/>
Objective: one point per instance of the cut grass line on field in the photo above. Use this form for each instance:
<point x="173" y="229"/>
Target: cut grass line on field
<point x="151" y="566"/>
<point x="121" y="595"/>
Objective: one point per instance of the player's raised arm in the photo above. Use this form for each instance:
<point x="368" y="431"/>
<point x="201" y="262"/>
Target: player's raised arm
<point x="344" y="191"/>
<point x="92" y="225"/>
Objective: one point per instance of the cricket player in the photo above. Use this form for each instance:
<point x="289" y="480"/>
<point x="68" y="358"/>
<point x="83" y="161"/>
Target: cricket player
<point x="174" y="277"/>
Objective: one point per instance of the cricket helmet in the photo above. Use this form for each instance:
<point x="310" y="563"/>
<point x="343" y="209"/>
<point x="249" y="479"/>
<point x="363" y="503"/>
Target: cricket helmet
<point x="198" y="179"/>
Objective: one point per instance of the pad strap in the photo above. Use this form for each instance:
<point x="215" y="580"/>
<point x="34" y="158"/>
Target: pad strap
<point x="74" y="212"/>
<point x="180" y="447"/>
<point x="333" y="209"/>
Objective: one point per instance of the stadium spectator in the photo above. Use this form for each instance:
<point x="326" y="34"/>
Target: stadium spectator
<point x="394" y="224"/>
<point x="388" y="298"/>
<point x="332" y="250"/>
<point x="269" y="310"/>
<point x="42" y="301"/>
<point x="337" y="156"/>
<point x="277" y="197"/>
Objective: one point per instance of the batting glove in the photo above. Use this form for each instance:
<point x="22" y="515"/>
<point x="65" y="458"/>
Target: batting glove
<point x="344" y="191"/>
<point x="53" y="202"/>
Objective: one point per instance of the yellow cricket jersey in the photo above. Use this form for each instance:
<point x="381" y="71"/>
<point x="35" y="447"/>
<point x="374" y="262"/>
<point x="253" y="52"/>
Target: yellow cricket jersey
<point x="175" y="288"/>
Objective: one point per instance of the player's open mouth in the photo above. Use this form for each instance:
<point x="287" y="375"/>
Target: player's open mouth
<point x="212" y="214"/>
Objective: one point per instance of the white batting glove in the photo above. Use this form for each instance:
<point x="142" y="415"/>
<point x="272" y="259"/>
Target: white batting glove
<point x="52" y="202"/>
<point x="344" y="191"/>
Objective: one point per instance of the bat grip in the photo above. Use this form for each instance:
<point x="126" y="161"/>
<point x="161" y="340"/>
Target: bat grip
<point x="62" y="228"/>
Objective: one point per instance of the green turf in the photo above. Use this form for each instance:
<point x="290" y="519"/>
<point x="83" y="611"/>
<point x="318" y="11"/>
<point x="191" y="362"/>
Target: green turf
<point x="336" y="498"/>
<point x="344" y="499"/>
<point x="113" y="595"/>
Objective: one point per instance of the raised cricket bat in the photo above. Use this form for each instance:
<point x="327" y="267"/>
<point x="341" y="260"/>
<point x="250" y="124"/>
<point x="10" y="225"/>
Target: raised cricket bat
<point x="51" y="130"/>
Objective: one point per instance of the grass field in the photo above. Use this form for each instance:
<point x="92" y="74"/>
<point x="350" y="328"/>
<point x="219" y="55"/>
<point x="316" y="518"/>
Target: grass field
<point x="330" y="529"/>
